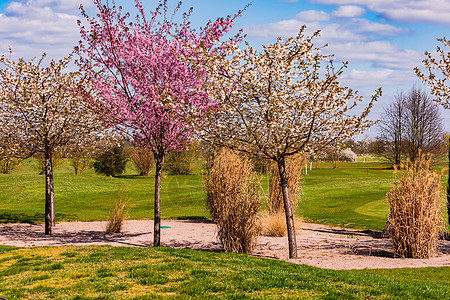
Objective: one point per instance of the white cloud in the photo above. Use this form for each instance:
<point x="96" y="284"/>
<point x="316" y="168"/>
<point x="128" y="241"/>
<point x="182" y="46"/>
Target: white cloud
<point x="349" y="11"/>
<point x="333" y="33"/>
<point x="376" y="78"/>
<point x="37" y="26"/>
<point x="380" y="54"/>
<point x="286" y="28"/>
<point x="312" y="16"/>
<point x="20" y="8"/>
<point x="354" y="29"/>
<point x="354" y="39"/>
<point x="365" y="26"/>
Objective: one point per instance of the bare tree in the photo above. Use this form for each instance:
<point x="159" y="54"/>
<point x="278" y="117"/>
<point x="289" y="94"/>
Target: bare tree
<point x="391" y="129"/>
<point x="423" y="130"/>
<point x="410" y="124"/>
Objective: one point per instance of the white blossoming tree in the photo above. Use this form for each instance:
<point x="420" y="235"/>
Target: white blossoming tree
<point x="41" y="113"/>
<point x="438" y="74"/>
<point x="437" y="79"/>
<point x="284" y="100"/>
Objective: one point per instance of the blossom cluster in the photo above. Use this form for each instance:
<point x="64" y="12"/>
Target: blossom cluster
<point x="41" y="110"/>
<point x="438" y="81"/>
<point x="147" y="77"/>
<point x="283" y="100"/>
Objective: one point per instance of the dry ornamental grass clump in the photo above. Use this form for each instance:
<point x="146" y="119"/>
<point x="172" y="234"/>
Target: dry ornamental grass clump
<point x="234" y="197"/>
<point x="415" y="211"/>
<point x="274" y="224"/>
<point x="119" y="211"/>
<point x="293" y="171"/>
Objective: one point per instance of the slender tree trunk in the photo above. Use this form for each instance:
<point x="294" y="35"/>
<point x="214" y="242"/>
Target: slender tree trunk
<point x="292" y="240"/>
<point x="448" y="185"/>
<point x="157" y="217"/>
<point x="49" y="195"/>
<point x="52" y="201"/>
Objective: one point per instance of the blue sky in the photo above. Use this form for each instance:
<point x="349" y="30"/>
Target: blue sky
<point x="383" y="40"/>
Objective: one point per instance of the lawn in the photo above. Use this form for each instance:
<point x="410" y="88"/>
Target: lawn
<point x="148" y="273"/>
<point x="352" y="195"/>
<point x="87" y="197"/>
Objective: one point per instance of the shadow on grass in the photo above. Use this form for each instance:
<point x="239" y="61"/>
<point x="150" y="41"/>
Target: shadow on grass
<point x="21" y="217"/>
<point x="137" y="177"/>
<point x="195" y="219"/>
<point x="29" y="217"/>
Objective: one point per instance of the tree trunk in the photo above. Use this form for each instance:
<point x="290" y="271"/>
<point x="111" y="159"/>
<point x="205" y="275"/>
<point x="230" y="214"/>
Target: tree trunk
<point x="157" y="218"/>
<point x="292" y="240"/>
<point x="49" y="195"/>
<point x="448" y="185"/>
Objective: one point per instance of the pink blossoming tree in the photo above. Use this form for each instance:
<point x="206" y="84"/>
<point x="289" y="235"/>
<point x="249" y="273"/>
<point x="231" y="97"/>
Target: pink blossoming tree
<point x="148" y="79"/>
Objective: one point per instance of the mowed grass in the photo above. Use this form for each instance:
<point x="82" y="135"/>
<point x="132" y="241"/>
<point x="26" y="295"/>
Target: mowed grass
<point x="87" y="197"/>
<point x="163" y="273"/>
<point x="352" y="195"/>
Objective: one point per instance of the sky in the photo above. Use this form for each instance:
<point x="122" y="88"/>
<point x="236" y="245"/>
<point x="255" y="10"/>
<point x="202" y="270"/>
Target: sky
<point x="383" y="40"/>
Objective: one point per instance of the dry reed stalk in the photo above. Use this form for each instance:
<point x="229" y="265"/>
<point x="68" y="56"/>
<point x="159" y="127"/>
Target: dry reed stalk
<point x="118" y="211"/>
<point x="293" y="171"/>
<point x="234" y="197"/>
<point x="415" y="210"/>
<point x="275" y="224"/>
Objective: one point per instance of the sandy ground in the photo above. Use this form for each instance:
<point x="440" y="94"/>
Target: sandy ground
<point x="318" y="245"/>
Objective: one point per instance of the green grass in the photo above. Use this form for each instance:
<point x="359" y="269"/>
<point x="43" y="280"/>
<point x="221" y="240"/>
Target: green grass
<point x="352" y="195"/>
<point x="137" y="273"/>
<point x="346" y="196"/>
<point x="87" y="197"/>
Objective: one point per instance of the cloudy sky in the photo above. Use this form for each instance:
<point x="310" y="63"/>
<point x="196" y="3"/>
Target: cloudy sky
<point x="383" y="40"/>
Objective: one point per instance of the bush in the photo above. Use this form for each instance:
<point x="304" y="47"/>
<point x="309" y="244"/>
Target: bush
<point x="118" y="211"/>
<point x="293" y="172"/>
<point x="179" y="162"/>
<point x="234" y="197"/>
<point x="7" y="164"/>
<point x="80" y="158"/>
<point x="80" y="164"/>
<point x="347" y="155"/>
<point x="207" y="152"/>
<point x="143" y="159"/>
<point x="334" y="155"/>
<point x="111" y="162"/>
<point x="415" y="211"/>
<point x="262" y="165"/>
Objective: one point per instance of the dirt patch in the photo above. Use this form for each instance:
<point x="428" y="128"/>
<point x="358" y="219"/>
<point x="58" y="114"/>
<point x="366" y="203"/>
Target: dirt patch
<point x="318" y="245"/>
